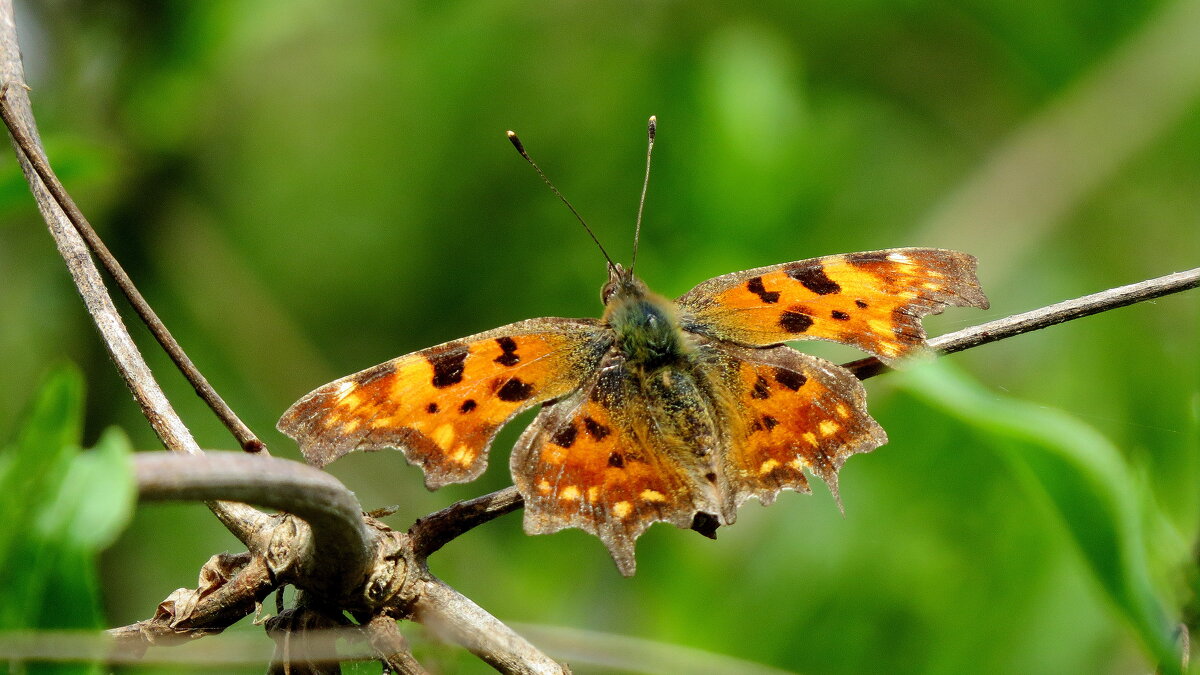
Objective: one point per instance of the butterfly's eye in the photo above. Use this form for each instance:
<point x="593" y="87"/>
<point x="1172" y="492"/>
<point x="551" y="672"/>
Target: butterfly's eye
<point x="607" y="292"/>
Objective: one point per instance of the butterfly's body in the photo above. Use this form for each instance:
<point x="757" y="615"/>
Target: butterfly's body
<point x="662" y="410"/>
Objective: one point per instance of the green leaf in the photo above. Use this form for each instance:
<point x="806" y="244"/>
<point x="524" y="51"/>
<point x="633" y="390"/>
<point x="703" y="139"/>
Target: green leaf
<point x="62" y="506"/>
<point x="1083" y="479"/>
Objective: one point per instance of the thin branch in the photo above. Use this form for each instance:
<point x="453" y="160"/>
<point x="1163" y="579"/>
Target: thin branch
<point x="189" y="614"/>
<point x="437" y="529"/>
<point x="167" y="425"/>
<point x="342" y="545"/>
<point x="385" y="638"/>
<point x="1044" y="317"/>
<point x="453" y="616"/>
<point x="35" y="156"/>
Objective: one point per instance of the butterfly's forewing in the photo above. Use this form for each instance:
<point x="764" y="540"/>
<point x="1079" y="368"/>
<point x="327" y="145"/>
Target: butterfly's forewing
<point x="790" y="413"/>
<point x="873" y="301"/>
<point x="620" y="454"/>
<point x="443" y="405"/>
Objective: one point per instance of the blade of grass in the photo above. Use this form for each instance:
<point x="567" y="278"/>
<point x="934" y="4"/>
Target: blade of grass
<point x="1083" y="480"/>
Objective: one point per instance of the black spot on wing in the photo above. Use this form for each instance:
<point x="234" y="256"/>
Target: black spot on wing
<point x="447" y="365"/>
<point x="795" y="322"/>
<point x="756" y="287"/>
<point x="467" y="406"/>
<point x="761" y="388"/>
<point x="595" y="429"/>
<point x="769" y="422"/>
<point x="861" y="304"/>
<point x="514" y="390"/>
<point x="565" y="437"/>
<point x="615" y="460"/>
<point x="790" y="378"/>
<point x="509" y="347"/>
<point x="839" y="315"/>
<point x="814" y="279"/>
<point x="431" y="408"/>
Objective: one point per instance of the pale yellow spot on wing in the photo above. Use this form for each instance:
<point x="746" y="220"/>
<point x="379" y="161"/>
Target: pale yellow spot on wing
<point x="842" y="411"/>
<point x="828" y="427"/>
<point x="899" y="258"/>
<point x="811" y="438"/>
<point x="889" y="348"/>
<point x="592" y="493"/>
<point x="907" y="295"/>
<point x="569" y="493"/>
<point x="463" y="454"/>
<point x="880" y="326"/>
<point x="443" y="435"/>
<point x="350" y="426"/>
<point x="653" y="496"/>
<point x="349" y="400"/>
<point x="544" y="487"/>
<point x="797" y="464"/>
<point x="622" y="509"/>
<point x="768" y="466"/>
<point x="934" y="274"/>
<point x="931" y="286"/>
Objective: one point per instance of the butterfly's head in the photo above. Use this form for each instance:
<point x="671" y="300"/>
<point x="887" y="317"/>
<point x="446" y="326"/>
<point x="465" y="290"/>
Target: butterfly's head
<point x="621" y="285"/>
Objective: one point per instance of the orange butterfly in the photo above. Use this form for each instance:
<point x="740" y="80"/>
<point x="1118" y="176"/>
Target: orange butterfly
<point x="661" y="410"/>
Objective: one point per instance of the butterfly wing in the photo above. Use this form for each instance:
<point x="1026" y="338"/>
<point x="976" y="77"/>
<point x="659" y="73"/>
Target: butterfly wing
<point x="442" y="406"/>
<point x="620" y="454"/>
<point x="873" y="301"/>
<point x="789" y="413"/>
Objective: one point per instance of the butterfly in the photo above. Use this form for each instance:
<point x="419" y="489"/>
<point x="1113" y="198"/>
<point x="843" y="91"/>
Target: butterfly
<point x="661" y="410"/>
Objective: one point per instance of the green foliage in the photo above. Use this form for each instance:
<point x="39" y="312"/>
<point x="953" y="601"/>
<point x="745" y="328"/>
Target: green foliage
<point x="304" y="189"/>
<point x="61" y="506"/>
<point x="1082" y="478"/>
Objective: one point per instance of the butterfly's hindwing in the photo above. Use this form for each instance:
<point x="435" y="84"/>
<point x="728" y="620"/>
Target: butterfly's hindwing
<point x="624" y="451"/>
<point x="443" y="405"/>
<point x="790" y="413"/>
<point x="873" y="300"/>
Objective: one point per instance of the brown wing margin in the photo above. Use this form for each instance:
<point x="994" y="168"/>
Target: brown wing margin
<point x="442" y="406"/>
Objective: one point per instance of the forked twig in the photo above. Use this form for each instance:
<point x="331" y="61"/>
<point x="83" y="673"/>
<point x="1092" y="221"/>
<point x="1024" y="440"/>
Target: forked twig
<point x="32" y="155"/>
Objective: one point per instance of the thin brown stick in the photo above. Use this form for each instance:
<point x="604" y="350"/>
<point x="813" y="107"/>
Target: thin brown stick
<point x="453" y="616"/>
<point x="240" y="519"/>
<point x="32" y="153"/>
<point x="393" y="648"/>
<point x="437" y="529"/>
<point x="1044" y="317"/>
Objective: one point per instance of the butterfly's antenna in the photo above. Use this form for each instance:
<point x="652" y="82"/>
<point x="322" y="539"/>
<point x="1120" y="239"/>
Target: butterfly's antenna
<point x="512" y="136"/>
<point x="651" y="129"/>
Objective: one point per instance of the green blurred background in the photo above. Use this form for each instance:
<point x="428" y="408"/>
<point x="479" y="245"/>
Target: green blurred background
<point x="303" y="189"/>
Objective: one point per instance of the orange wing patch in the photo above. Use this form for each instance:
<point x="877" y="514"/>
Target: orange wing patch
<point x="443" y="405"/>
<point x="873" y="301"/>
<point x="795" y="413"/>
<point x="613" y="466"/>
